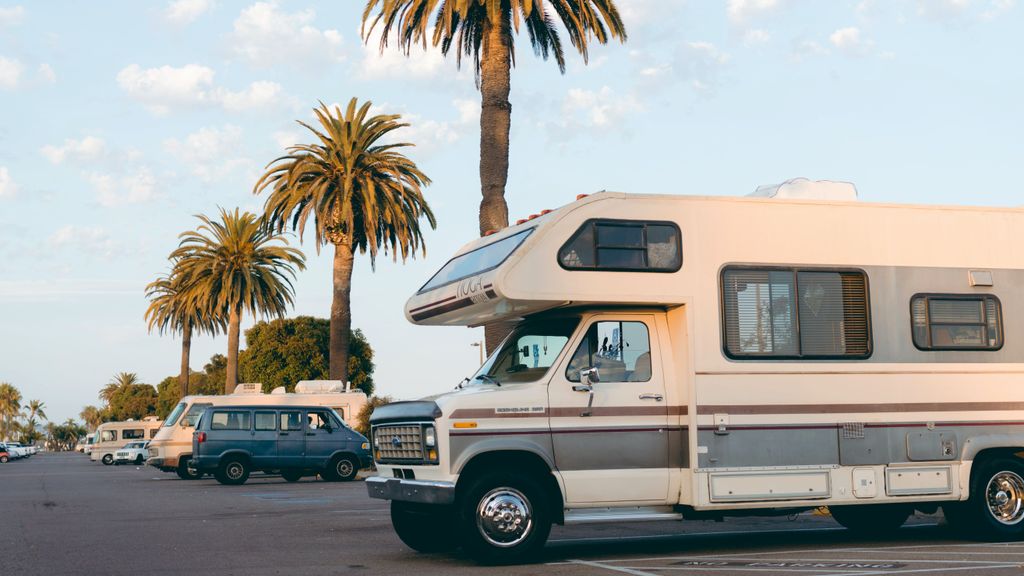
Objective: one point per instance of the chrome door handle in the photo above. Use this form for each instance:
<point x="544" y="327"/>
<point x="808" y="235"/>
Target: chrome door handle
<point x="656" y="397"/>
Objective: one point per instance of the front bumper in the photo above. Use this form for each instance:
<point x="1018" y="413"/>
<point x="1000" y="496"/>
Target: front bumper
<point x="421" y="491"/>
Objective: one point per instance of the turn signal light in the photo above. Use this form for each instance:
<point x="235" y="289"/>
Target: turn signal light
<point x="201" y="437"/>
<point x="464" y="425"/>
<point x="432" y="455"/>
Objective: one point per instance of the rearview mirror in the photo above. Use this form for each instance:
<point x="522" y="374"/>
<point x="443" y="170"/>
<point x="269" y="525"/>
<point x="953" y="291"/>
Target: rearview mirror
<point x="591" y="375"/>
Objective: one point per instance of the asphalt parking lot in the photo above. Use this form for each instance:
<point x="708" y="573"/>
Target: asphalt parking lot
<point x="61" y="514"/>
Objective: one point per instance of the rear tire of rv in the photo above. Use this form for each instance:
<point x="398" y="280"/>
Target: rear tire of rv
<point x="995" y="509"/>
<point x="871" y="518"/>
<point x="108" y="459"/>
<point x="185" y="473"/>
<point x="423" y="527"/>
<point x="233" y="472"/>
<point x="504" y="518"/>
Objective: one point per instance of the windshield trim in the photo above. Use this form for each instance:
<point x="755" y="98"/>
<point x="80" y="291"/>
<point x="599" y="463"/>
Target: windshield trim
<point x="524" y="233"/>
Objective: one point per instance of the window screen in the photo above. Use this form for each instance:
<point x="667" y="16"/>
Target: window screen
<point x="790" y="313"/>
<point x="956" y="322"/>
<point x="266" y="421"/>
<point x="624" y="245"/>
<point x="233" y="420"/>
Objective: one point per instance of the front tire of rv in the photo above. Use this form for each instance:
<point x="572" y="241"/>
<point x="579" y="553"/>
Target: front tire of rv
<point x="425" y="528"/>
<point x="185" y="472"/>
<point x="995" y="509"/>
<point x="504" y="518"/>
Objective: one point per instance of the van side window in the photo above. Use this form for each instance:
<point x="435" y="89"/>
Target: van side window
<point x="291" y="421"/>
<point x="786" y="313"/>
<point x="621" y="352"/>
<point x="624" y="245"/>
<point x="266" y="421"/>
<point x="230" y="420"/>
<point x="318" y="420"/>
<point x="956" y="322"/>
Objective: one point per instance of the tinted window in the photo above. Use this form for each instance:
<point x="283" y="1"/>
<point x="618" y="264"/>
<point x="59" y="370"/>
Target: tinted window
<point x="477" y="261"/>
<point x="623" y="245"/>
<point x="230" y="420"/>
<point x="319" y="420"/>
<point x="194" y="413"/>
<point x="108" y="436"/>
<point x="789" y="313"/>
<point x="133" y="433"/>
<point x="173" y="416"/>
<point x="956" y="322"/>
<point x="291" y="421"/>
<point x="621" y="352"/>
<point x="266" y="421"/>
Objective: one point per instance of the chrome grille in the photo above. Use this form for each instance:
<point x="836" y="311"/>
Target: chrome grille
<point x="403" y="442"/>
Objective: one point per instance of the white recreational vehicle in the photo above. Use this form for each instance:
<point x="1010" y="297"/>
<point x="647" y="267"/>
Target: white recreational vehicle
<point x="693" y="357"/>
<point x="112" y="436"/>
<point x="171" y="449"/>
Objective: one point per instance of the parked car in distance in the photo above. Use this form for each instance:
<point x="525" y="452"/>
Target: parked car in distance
<point x="5" y="456"/>
<point x="132" y="453"/>
<point x="233" y="441"/>
<point x="16" y="450"/>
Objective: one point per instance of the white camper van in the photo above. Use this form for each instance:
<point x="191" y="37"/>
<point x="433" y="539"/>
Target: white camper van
<point x="693" y="357"/>
<point x="171" y="449"/>
<point x="112" y="436"/>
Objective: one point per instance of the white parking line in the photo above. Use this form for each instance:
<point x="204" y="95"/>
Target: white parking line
<point x="922" y="570"/>
<point x="620" y="569"/>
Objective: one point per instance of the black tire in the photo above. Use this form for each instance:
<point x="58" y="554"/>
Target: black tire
<point x="291" y="475"/>
<point x="3" y="459"/>
<point x="138" y="460"/>
<point x="233" y="471"/>
<point x="425" y="528"/>
<point x="489" y="539"/>
<point x="871" y="519"/>
<point x="995" y="508"/>
<point x="107" y="459"/>
<point x="342" y="468"/>
<point x="184" y="472"/>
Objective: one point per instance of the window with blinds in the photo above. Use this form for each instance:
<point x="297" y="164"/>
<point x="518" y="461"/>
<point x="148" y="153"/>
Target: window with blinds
<point x="956" y="322"/>
<point x="789" y="313"/>
<point x="623" y="245"/>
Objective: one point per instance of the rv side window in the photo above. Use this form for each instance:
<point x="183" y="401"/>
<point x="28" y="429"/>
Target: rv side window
<point x="795" y="314"/>
<point x="108" y="436"/>
<point x="625" y="245"/>
<point x="230" y="420"/>
<point x="132" y="434"/>
<point x="956" y="322"/>
<point x="152" y="432"/>
<point x="621" y="352"/>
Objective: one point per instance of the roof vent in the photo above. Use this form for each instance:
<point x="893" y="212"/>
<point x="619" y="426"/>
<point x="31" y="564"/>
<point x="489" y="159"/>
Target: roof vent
<point x="249" y="388"/>
<point x="804" y="189"/>
<point x="279" y="390"/>
<point x="320" y="387"/>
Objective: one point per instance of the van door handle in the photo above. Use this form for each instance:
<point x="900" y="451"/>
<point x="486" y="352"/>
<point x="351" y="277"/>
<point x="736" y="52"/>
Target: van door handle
<point x="283" y="434"/>
<point x="656" y="397"/>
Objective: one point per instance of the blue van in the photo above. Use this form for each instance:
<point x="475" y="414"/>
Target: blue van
<point x="233" y="441"/>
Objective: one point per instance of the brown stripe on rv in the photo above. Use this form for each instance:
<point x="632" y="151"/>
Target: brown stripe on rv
<point x="464" y="413"/>
<point x="451" y="306"/>
<point x="858" y="408"/>
<point x="425" y="306"/>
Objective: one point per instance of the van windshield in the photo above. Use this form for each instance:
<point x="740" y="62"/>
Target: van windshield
<point x="477" y="261"/>
<point x="528" y="352"/>
<point x="172" y="418"/>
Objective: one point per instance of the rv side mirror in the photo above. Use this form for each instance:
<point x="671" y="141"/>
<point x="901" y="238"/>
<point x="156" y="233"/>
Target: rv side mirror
<point x="591" y="375"/>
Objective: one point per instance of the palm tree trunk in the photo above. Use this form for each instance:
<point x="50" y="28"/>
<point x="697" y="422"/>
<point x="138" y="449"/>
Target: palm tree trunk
<point x="234" y="326"/>
<point x="341" y="312"/>
<point x="186" y="348"/>
<point x="495" y="124"/>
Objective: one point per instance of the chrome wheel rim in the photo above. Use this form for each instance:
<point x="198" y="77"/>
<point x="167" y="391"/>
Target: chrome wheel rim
<point x="504" y="517"/>
<point x="344" y="468"/>
<point x="1005" y="497"/>
<point x="234" y="471"/>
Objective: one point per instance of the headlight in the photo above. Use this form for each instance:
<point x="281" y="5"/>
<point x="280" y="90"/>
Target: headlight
<point x="429" y="438"/>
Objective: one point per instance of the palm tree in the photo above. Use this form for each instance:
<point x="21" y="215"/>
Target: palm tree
<point x="10" y="407"/>
<point x="120" y="381"/>
<point x="362" y="194"/>
<point x="92" y="416"/>
<point x="485" y="30"/>
<point x="35" y="408"/>
<point x="174" y="308"/>
<point x="236" y="265"/>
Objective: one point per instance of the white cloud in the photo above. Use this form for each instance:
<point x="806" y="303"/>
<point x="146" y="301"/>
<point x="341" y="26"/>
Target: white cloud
<point x="186" y="11"/>
<point x="11" y="16"/>
<point x="210" y="153"/>
<point x="700" y="63"/>
<point x="264" y="35"/>
<point x="636" y="13"/>
<point x="7" y="186"/>
<point x="806" y="48"/>
<point x="10" y="72"/>
<point x="393" y="63"/>
<point x="165" y="88"/>
<point x="90" y="240"/>
<point x="848" y="40"/>
<point x="430" y="136"/>
<point x="88" y="148"/>
<point x="755" y="37"/>
<point x="113" y="190"/>
<point x="46" y="74"/>
<point x="285" y="139"/>
<point x="596" y="108"/>
<point x="741" y="11"/>
<point x="997" y="8"/>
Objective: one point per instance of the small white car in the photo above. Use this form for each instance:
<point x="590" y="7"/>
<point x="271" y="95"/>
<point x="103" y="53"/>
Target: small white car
<point x="132" y="453"/>
<point x="17" y="451"/>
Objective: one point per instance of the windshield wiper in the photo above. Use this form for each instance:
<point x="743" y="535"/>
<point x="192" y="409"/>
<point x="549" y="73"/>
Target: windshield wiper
<point x="488" y="379"/>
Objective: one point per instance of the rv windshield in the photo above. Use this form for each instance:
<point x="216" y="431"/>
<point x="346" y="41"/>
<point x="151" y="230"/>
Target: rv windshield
<point x="173" y="416"/>
<point x="194" y="413"/>
<point x="477" y="261"/>
<point x="527" y="353"/>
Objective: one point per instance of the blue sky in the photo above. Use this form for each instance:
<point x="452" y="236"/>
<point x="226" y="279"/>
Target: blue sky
<point x="121" y="120"/>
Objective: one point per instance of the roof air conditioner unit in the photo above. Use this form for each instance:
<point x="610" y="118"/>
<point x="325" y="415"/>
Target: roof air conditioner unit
<point x="320" y="387"/>
<point x="249" y="388"/>
<point x="279" y="390"/>
<point x="804" y="189"/>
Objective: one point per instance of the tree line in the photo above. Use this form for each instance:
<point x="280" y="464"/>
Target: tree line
<point x="23" y="422"/>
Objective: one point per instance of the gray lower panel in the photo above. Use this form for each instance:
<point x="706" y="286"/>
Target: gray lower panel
<point x="423" y="492"/>
<point x="768" y="447"/>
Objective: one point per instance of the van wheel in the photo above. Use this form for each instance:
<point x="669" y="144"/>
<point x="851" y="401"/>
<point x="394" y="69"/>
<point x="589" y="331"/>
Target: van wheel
<point x="341" y="469"/>
<point x="185" y="472"/>
<point x="233" y="472"/>
<point x="291" y="475"/>
<point x="995" y="509"/>
<point x="423" y="527"/>
<point x="504" y="518"/>
<point x="871" y="518"/>
<point x="108" y="459"/>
